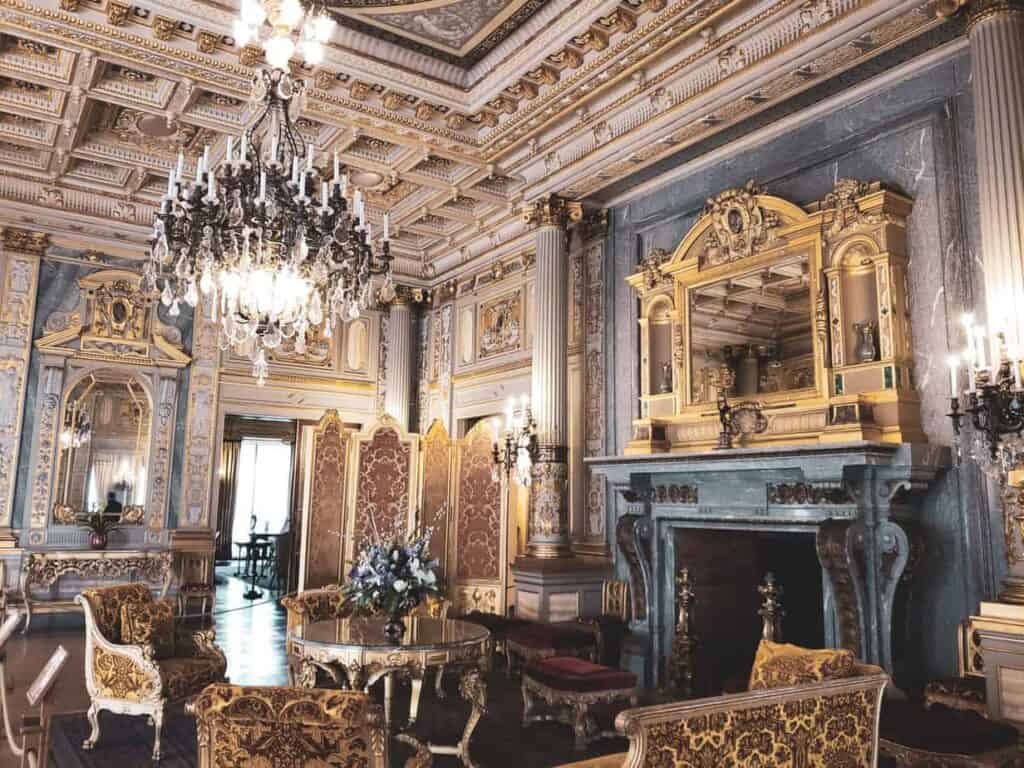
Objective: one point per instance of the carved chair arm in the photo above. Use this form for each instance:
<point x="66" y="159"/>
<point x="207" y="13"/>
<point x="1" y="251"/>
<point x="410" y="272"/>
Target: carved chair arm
<point x="123" y="671"/>
<point x="195" y="643"/>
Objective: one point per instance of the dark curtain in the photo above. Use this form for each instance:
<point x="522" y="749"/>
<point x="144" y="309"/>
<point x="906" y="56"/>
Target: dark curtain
<point x="229" y="452"/>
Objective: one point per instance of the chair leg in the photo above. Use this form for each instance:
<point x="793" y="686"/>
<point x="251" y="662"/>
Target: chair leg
<point x="158" y="724"/>
<point x="579" y="726"/>
<point x="439" y="683"/>
<point x="94" y="720"/>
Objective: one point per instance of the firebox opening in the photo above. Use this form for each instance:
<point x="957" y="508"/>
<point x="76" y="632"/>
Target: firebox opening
<point x="726" y="567"/>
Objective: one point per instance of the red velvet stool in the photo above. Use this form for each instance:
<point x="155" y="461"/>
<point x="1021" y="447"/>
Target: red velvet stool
<point x="536" y="640"/>
<point x="570" y="687"/>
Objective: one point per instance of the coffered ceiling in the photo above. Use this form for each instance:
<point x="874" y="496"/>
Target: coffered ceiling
<point x="450" y="113"/>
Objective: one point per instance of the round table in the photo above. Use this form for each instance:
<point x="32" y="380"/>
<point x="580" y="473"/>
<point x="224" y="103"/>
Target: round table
<point x="356" y="653"/>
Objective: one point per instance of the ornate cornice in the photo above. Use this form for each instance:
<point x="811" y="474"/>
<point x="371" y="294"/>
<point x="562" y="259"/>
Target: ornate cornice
<point x="24" y="241"/>
<point x="552" y="211"/>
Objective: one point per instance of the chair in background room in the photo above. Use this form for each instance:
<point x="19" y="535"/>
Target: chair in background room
<point x="285" y="727"/>
<point x="196" y="584"/>
<point x="136" y="660"/>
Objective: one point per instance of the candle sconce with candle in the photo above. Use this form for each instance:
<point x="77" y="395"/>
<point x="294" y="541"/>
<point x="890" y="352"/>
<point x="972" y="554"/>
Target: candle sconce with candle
<point x="515" y="448"/>
<point x="994" y="400"/>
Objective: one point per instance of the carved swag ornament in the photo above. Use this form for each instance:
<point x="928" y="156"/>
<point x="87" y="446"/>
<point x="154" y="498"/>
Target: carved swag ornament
<point x="738" y="226"/>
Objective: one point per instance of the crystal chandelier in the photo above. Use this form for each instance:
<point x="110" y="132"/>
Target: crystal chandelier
<point x="288" y="20"/>
<point x="274" y="243"/>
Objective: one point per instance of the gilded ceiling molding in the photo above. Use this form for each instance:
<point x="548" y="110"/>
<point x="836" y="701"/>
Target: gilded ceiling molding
<point x="977" y="9"/>
<point x="24" y="241"/>
<point x="552" y="211"/>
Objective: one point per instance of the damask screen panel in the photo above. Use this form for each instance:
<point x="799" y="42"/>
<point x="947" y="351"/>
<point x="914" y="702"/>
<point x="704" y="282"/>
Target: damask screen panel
<point x="435" y="504"/>
<point x="478" y="521"/>
<point x="382" y="490"/>
<point x="324" y="550"/>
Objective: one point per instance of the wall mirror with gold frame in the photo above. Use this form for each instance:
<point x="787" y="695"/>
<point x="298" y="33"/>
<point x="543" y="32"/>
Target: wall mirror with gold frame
<point x="752" y="334"/>
<point x="104" y="442"/>
<point x="800" y="313"/>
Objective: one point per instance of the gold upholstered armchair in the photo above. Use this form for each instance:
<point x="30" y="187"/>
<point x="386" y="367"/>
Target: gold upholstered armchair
<point x="310" y="606"/>
<point x="137" y="661"/>
<point x="817" y="725"/>
<point x="288" y="728"/>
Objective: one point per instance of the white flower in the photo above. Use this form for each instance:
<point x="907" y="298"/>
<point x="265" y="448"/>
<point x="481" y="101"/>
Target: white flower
<point x="400" y="586"/>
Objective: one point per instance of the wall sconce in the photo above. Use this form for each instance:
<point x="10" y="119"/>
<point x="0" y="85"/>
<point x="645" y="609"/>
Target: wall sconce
<point x="994" y="398"/>
<point x="515" y="448"/>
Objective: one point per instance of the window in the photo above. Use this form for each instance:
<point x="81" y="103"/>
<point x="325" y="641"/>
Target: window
<point x="264" y="488"/>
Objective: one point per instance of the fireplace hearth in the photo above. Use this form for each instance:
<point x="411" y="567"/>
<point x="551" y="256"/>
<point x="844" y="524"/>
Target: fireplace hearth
<point x="834" y="522"/>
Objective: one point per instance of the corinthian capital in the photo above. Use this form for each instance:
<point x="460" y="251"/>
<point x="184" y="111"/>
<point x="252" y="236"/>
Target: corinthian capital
<point x="552" y="211"/>
<point x="977" y="10"/>
<point x="24" y="241"/>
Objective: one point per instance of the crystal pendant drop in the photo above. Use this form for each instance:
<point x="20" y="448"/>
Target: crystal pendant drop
<point x="167" y="296"/>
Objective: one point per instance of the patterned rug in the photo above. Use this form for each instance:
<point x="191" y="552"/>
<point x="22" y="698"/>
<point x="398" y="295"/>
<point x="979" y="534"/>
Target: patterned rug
<point x="499" y="741"/>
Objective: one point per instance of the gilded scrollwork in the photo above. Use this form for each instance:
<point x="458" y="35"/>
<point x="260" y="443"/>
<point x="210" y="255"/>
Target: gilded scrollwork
<point x="739" y="225"/>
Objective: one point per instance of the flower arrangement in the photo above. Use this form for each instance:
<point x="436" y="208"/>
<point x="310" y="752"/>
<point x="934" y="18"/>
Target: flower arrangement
<point x="392" y="577"/>
<point x="99" y="527"/>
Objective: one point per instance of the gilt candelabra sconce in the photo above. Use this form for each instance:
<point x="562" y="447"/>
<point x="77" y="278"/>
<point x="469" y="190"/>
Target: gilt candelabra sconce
<point x="515" y="448"/>
<point x="993" y="401"/>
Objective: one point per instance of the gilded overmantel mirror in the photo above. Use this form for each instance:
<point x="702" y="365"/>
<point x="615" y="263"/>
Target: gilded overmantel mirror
<point x="798" y="315"/>
<point x="103" y="449"/>
<point x="108" y="386"/>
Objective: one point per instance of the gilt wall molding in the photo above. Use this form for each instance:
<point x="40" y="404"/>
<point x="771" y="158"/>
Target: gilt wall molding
<point x="20" y="252"/>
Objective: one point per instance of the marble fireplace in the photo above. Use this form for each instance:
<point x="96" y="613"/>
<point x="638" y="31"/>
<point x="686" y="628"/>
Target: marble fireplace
<point x="727" y="514"/>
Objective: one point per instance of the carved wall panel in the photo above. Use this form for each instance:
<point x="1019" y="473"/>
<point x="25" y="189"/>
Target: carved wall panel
<point x="435" y="502"/>
<point x="478" y="518"/>
<point x="384" y="484"/>
<point x="19" y="276"/>
<point x="594" y="414"/>
<point x="501" y="325"/>
<point x="201" y="423"/>
<point x="326" y="512"/>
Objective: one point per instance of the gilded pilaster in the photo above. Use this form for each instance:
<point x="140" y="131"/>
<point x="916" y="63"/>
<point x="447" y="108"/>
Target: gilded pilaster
<point x="20" y="252"/>
<point x="549" y="491"/>
<point x="201" y="421"/>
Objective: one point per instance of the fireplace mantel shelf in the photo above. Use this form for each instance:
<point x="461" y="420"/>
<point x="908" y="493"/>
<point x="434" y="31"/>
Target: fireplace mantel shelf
<point x="816" y="462"/>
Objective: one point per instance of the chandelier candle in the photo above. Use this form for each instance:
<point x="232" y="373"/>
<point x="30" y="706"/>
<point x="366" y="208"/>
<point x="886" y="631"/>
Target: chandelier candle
<point x="252" y="239"/>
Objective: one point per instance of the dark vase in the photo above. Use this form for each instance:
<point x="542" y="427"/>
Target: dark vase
<point x="98" y="540"/>
<point x="395" y="628"/>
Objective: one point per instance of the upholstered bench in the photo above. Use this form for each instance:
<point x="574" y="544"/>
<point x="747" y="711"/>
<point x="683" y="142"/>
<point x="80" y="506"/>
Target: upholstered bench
<point x="536" y="640"/>
<point x="570" y="687"/>
<point x="914" y="737"/>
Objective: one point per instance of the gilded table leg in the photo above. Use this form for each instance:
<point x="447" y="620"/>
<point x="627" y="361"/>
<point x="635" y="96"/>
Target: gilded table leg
<point x="389" y="691"/>
<point x="414" y="700"/>
<point x="473" y="688"/>
<point x="579" y="725"/>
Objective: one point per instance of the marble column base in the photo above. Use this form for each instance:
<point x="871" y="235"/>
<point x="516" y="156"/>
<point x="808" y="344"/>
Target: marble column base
<point x="549" y="505"/>
<point x="550" y="589"/>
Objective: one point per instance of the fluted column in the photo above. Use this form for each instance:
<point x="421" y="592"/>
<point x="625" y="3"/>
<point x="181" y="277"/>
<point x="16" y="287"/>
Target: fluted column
<point x="996" y="34"/>
<point x="398" y="391"/>
<point x="995" y="29"/>
<point x="549" y="491"/>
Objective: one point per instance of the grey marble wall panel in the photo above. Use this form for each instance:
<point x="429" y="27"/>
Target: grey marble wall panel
<point x="916" y="137"/>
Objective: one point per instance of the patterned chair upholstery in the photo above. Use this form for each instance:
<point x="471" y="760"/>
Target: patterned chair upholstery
<point x="287" y="728"/>
<point x="315" y="605"/>
<point x="815" y="725"/>
<point x="128" y="679"/>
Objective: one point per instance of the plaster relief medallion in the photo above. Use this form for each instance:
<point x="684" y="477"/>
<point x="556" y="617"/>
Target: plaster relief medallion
<point x="738" y="226"/>
<point x="501" y="323"/>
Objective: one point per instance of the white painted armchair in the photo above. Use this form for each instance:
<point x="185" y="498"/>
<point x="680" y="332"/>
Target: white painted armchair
<point x="129" y="679"/>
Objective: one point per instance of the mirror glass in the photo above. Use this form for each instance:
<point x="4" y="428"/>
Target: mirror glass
<point x="752" y="334"/>
<point x="104" y="448"/>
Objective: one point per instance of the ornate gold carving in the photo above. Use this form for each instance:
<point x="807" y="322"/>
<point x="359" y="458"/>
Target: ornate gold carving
<point x="552" y="211"/>
<point x="651" y="264"/>
<point x="500" y="326"/>
<point x="69" y="5"/>
<point x="164" y="28"/>
<point x="117" y="12"/>
<point x="250" y="55"/>
<point x="25" y="241"/>
<point x="207" y="42"/>
<point x="738" y="226"/>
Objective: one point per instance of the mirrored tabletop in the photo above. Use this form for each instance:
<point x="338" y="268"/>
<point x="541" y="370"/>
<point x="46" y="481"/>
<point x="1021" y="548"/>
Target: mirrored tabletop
<point x="421" y="633"/>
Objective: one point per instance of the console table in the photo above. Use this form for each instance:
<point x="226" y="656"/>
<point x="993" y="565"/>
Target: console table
<point x="44" y="569"/>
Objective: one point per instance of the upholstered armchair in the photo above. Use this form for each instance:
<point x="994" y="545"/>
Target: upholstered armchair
<point x="817" y="725"/>
<point x="130" y="679"/>
<point x="287" y="728"/>
<point x="315" y="605"/>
